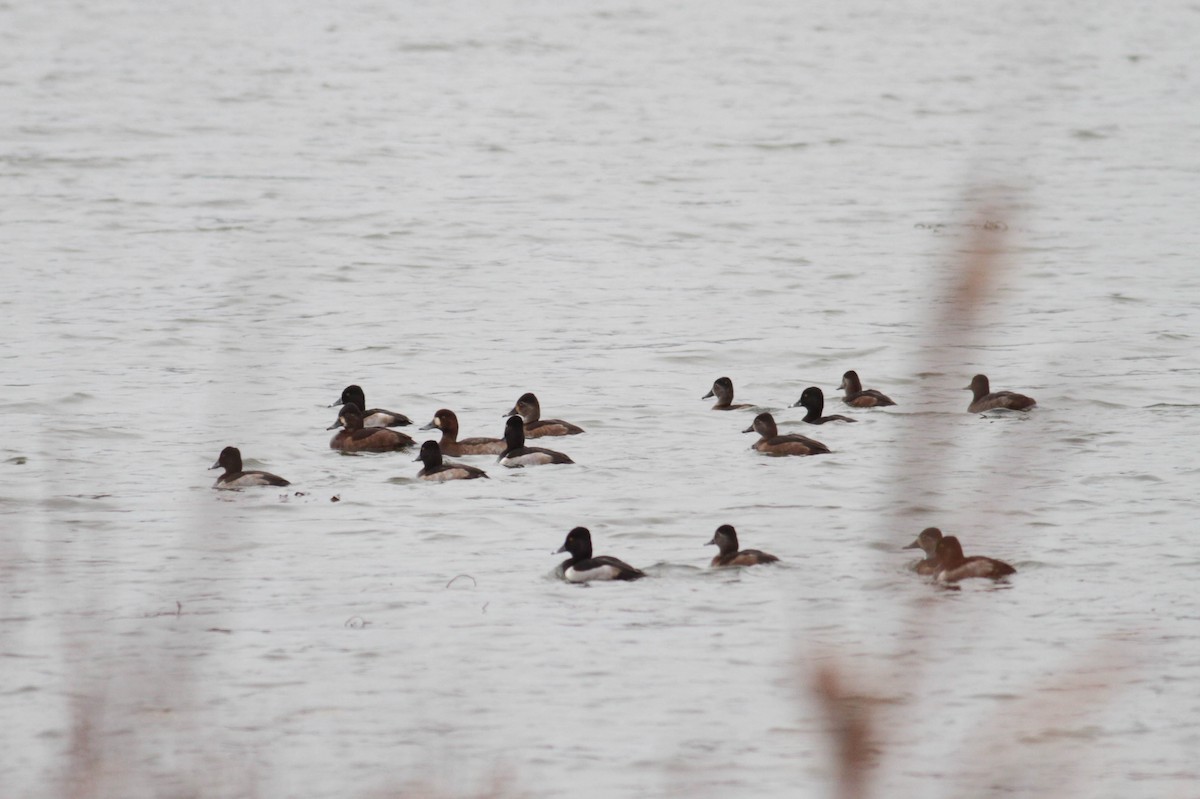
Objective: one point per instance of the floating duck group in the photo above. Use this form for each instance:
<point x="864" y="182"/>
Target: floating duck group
<point x="362" y="429"/>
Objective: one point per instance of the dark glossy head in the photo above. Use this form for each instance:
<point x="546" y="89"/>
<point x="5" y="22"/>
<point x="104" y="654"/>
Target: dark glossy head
<point x="927" y="541"/>
<point x="722" y="389"/>
<point x="431" y="454"/>
<point x="979" y="385"/>
<point x="349" y="418"/>
<point x="527" y="408"/>
<point x="578" y="543"/>
<point x="725" y="538"/>
<point x="443" y="420"/>
<point x="812" y="398"/>
<point x="230" y="460"/>
<point x="850" y="382"/>
<point x="514" y="432"/>
<point x="949" y="553"/>
<point x="764" y="425"/>
<point x="352" y="394"/>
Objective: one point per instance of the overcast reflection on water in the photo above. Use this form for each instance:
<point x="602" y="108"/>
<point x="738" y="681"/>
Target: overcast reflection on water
<point x="215" y="217"/>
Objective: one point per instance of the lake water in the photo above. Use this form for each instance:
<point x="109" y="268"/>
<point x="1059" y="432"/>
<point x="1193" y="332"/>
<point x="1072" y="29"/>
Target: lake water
<point x="215" y="216"/>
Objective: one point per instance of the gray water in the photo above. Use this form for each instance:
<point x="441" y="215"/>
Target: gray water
<point x="214" y="216"/>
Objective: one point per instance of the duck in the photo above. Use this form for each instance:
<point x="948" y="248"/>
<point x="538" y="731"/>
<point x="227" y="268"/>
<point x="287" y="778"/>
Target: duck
<point x="927" y="541"/>
<point x="726" y="541"/>
<point x="436" y="469"/>
<point x="231" y="460"/>
<point x="772" y="443"/>
<point x="953" y="566"/>
<point x="375" y="417"/>
<point x="857" y="397"/>
<point x="813" y="399"/>
<point x="722" y="389"/>
<point x="447" y="421"/>
<point x="581" y="567"/>
<point x="356" y="438"/>
<point x="528" y="408"/>
<point x="985" y="399"/>
<point x="516" y="454"/>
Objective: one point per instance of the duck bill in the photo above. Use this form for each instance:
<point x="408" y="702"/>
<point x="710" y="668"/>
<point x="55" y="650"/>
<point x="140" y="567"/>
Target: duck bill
<point x="513" y="412"/>
<point x="335" y="425"/>
<point x="709" y="395"/>
<point x="913" y="545"/>
<point x="749" y="429"/>
<point x="336" y="404"/>
<point x="430" y="426"/>
<point x="216" y="465"/>
<point x="560" y="550"/>
<point x="711" y="542"/>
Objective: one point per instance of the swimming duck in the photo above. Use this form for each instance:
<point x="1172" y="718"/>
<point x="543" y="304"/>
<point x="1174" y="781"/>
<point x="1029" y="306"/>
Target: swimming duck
<point x="856" y="396"/>
<point x="356" y="438"/>
<point x="581" y="567"/>
<point x="927" y="542"/>
<point x="772" y="443"/>
<point x="376" y="417"/>
<point x="813" y="399"/>
<point x="436" y="469"/>
<point x="722" y="389"/>
<point x="530" y="410"/>
<point x="231" y="460"/>
<point x="985" y="399"/>
<point x="727" y="542"/>
<point x="955" y="567"/>
<point x="516" y="454"/>
<point x="447" y="421"/>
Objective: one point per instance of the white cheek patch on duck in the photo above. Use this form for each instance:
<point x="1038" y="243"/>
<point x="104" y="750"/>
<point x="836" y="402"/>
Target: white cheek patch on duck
<point x="605" y="572"/>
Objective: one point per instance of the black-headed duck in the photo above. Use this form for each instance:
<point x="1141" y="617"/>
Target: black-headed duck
<point x="230" y="459"/>
<point x="516" y="454"/>
<point x="356" y="438"/>
<point x="860" y="398"/>
<point x="726" y="541"/>
<point x="771" y="443"/>
<point x="375" y="417"/>
<point x="953" y="566"/>
<point x="530" y="411"/>
<point x="581" y="567"/>
<point x="927" y="541"/>
<point x="435" y="468"/>
<point x="722" y="389"/>
<point x="985" y="399"/>
<point x="813" y="399"/>
<point x="447" y="421"/>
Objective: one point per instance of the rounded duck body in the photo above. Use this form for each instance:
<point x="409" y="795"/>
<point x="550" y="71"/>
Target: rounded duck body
<point x="984" y="399"/>
<point x="726" y="541"/>
<point x="859" y="397"/>
<point x="812" y="399"/>
<point x="230" y="460"/>
<point x="771" y="443"/>
<point x="447" y="421"/>
<point x="516" y="455"/>
<point x="530" y="411"/>
<point x="954" y="567"/>
<point x="375" y="417"/>
<point x="583" y="567"/>
<point x="356" y="438"/>
<point x="435" y="469"/>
